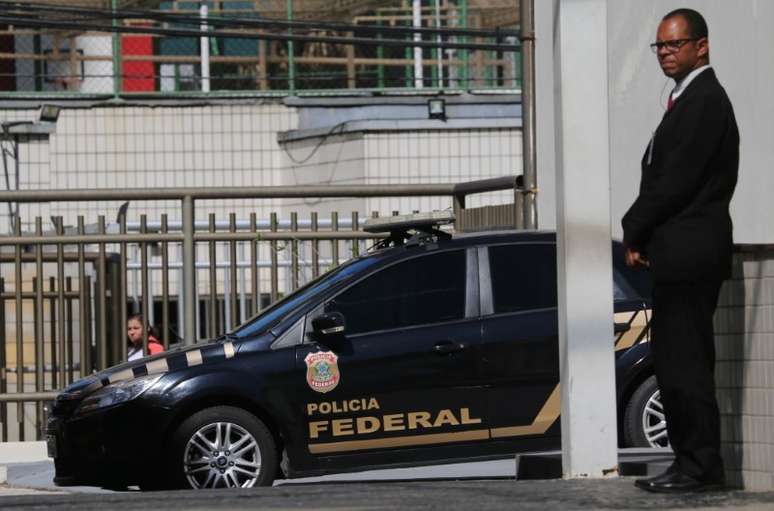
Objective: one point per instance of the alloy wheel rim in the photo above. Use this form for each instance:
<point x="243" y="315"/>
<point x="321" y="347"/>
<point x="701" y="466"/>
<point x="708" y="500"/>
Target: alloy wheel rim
<point x="222" y="455"/>
<point x="654" y="422"/>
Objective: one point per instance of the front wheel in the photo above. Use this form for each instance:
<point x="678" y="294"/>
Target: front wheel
<point x="223" y="447"/>
<point x="644" y="421"/>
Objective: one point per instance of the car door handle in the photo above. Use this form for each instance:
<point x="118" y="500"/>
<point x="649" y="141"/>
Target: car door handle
<point x="448" y="347"/>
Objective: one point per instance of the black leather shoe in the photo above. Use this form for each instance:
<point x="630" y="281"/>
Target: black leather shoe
<point x="677" y="482"/>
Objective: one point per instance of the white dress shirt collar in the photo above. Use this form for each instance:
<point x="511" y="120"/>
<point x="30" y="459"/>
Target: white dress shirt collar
<point x="683" y="84"/>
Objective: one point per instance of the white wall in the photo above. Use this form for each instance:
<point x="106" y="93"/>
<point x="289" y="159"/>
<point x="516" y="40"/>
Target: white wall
<point x="742" y="53"/>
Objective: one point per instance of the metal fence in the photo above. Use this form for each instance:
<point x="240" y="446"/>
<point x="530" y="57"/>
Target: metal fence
<point x="262" y="47"/>
<point x="68" y="292"/>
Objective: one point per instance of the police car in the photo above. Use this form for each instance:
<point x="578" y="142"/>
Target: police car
<point x="430" y="348"/>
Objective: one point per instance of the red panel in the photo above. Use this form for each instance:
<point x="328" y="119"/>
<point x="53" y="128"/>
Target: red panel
<point x="138" y="76"/>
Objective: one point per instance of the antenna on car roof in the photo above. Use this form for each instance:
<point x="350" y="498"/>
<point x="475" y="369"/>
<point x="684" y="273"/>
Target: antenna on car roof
<point x="410" y="229"/>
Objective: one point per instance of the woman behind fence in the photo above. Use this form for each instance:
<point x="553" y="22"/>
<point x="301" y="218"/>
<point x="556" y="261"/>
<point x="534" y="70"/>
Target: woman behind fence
<point x="134" y="331"/>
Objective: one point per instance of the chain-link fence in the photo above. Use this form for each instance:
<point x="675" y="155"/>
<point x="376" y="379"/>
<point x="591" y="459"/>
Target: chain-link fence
<point x="257" y="46"/>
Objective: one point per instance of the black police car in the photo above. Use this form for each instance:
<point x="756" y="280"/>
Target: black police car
<point x="429" y="348"/>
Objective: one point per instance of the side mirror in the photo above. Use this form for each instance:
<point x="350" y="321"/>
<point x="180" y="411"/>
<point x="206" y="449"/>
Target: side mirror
<point x="329" y="324"/>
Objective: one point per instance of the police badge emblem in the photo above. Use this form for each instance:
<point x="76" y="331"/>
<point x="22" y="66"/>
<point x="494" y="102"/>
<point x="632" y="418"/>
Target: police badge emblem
<point x="322" y="371"/>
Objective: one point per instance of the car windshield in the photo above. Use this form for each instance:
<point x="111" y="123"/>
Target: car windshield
<point x="274" y="314"/>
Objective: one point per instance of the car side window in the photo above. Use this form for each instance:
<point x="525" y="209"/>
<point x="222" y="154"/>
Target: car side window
<point x="523" y="276"/>
<point x="422" y="290"/>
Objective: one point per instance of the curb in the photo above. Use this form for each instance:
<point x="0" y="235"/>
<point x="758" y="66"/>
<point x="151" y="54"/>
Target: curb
<point x="20" y="452"/>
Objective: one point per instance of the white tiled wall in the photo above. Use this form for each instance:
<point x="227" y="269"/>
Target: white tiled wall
<point x="744" y="328"/>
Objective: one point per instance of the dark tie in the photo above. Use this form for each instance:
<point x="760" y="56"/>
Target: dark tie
<point x="670" y="103"/>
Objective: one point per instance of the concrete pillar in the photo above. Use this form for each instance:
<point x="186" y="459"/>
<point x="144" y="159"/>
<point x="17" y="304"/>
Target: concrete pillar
<point x="589" y="432"/>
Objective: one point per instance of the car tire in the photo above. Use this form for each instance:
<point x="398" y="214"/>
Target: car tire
<point x="223" y="447"/>
<point x="644" y="422"/>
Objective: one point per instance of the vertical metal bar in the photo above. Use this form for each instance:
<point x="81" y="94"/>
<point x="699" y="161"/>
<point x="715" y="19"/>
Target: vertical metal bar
<point x="102" y="339"/>
<point x="37" y="285"/>
<point x="88" y="320"/>
<point x="145" y="292"/>
<point x="380" y="66"/>
<point x="294" y="251"/>
<point x="116" y="53"/>
<point x="39" y="363"/>
<point x="189" y="276"/>
<point x="83" y="304"/>
<point x="351" y="81"/>
<point x="124" y="285"/>
<point x="254" y="263"/>
<point x="60" y="301"/>
<point x="438" y="51"/>
<point x="458" y="206"/>
<point x="19" y="326"/>
<point x="291" y="56"/>
<point x="213" y="316"/>
<point x="419" y="80"/>
<point x="204" y="49"/>
<point x="274" y="261"/>
<point x="3" y="366"/>
<point x="243" y="285"/>
<point x="315" y="247"/>
<point x="165" y="284"/>
<point x="232" y="256"/>
<point x="355" y="228"/>
<point x="529" y="152"/>
<point x="69" y="329"/>
<point x="334" y="242"/>
<point x="52" y="331"/>
<point x="465" y="55"/>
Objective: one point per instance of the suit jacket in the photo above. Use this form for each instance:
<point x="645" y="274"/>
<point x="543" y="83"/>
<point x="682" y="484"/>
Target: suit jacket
<point x="680" y="220"/>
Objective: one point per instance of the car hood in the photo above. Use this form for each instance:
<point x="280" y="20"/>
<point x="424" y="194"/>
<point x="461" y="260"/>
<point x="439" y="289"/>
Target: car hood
<point x="172" y="360"/>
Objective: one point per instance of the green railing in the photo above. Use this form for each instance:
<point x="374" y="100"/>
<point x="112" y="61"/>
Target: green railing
<point x="69" y="50"/>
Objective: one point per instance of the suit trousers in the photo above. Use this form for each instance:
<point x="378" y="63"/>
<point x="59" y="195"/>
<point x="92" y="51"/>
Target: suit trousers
<point x="683" y="349"/>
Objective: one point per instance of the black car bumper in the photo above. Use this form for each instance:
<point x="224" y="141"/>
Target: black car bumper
<point x="118" y="445"/>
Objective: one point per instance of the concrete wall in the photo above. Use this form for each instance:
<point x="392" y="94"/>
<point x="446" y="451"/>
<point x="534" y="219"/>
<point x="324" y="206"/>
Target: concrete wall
<point x="744" y="328"/>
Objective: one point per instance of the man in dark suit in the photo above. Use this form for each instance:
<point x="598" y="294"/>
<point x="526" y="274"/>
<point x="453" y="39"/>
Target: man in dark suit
<point x="679" y="226"/>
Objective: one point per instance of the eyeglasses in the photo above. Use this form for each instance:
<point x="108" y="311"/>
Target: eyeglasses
<point x="672" y="46"/>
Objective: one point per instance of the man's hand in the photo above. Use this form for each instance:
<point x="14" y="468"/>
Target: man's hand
<point x="634" y="258"/>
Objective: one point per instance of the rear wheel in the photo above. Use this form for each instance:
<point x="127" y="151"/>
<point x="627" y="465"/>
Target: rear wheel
<point x="644" y="420"/>
<point x="223" y="447"/>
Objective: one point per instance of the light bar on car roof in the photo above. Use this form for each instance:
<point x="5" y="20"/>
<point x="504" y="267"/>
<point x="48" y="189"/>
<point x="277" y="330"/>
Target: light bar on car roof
<point x="417" y="221"/>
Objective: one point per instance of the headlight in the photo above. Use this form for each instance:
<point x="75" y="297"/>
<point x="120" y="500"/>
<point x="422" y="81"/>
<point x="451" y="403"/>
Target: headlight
<point x="117" y="393"/>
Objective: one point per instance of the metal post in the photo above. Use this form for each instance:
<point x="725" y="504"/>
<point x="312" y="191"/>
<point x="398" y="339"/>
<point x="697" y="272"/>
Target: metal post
<point x="116" y="52"/>
<point x="585" y="281"/>
<point x="465" y="55"/>
<point x="416" y="9"/>
<point x="439" y="51"/>
<point x="60" y="302"/>
<point x="19" y="327"/>
<point x="204" y="48"/>
<point x="529" y="153"/>
<point x="189" y="278"/>
<point x="291" y="57"/>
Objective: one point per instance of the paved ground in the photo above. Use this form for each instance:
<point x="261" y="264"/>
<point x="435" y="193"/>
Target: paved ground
<point x="439" y="487"/>
<point x="479" y="495"/>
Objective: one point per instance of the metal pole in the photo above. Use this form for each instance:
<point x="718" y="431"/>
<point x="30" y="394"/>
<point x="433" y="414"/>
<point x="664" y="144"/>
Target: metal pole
<point x="417" y="18"/>
<point x="116" y="54"/>
<point x="291" y="57"/>
<point x="529" y="153"/>
<point x="204" y="48"/>
<point x="439" y="51"/>
<point x="465" y="54"/>
<point x="189" y="277"/>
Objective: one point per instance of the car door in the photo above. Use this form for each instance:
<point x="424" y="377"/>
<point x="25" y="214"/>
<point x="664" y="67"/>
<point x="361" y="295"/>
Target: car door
<point x="401" y="383"/>
<point x="520" y="353"/>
